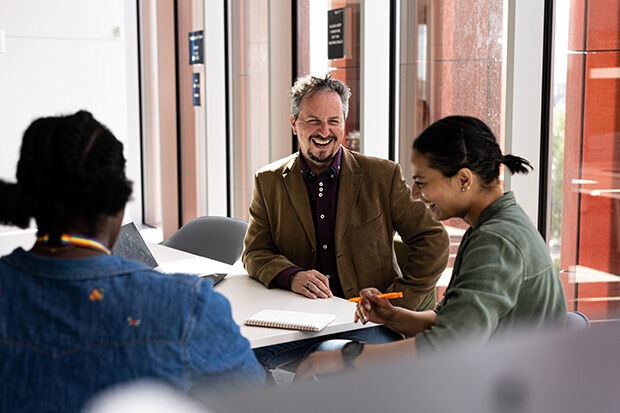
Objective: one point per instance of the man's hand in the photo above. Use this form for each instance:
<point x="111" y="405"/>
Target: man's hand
<point x="373" y="308"/>
<point x="311" y="283"/>
<point x="320" y="362"/>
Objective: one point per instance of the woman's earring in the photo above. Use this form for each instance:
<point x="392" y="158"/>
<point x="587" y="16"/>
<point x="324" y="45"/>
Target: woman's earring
<point x="463" y="189"/>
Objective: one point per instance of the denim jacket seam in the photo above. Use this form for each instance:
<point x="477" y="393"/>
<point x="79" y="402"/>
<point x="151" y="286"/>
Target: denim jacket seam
<point x="106" y="271"/>
<point x="187" y="333"/>
<point x="74" y="350"/>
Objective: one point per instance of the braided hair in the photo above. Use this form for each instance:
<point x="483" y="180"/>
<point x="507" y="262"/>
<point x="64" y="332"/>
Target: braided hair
<point x="70" y="168"/>
<point x="457" y="142"/>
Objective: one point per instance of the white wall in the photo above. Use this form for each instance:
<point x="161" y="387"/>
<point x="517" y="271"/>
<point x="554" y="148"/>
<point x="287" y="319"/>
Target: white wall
<point x="375" y="78"/>
<point x="215" y="101"/>
<point x="524" y="98"/>
<point x="62" y="56"/>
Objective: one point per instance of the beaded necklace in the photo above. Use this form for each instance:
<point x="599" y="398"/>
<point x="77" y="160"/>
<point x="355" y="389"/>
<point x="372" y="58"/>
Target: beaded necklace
<point x="73" y="239"/>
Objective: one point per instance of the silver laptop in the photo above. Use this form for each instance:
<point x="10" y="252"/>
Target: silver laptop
<point x="131" y="245"/>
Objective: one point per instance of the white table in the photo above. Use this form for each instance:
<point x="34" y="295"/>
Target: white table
<point x="248" y="296"/>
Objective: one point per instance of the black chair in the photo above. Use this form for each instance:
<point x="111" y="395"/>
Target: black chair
<point x="218" y="238"/>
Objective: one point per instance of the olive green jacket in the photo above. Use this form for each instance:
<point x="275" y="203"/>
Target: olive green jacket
<point x="373" y="202"/>
<point x="503" y="280"/>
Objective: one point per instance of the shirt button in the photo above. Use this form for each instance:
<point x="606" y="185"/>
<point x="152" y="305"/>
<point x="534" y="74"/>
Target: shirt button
<point x="320" y="195"/>
<point x="320" y="183"/>
<point x="320" y="189"/>
<point x="324" y="247"/>
<point x="322" y="216"/>
<point x="331" y="176"/>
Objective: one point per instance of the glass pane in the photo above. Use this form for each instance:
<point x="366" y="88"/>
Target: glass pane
<point x="585" y="170"/>
<point x="313" y="55"/>
<point x="452" y="61"/>
<point x="250" y="94"/>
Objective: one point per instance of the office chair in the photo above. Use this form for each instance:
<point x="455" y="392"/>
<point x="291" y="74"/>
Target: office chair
<point x="576" y="320"/>
<point x="218" y="238"/>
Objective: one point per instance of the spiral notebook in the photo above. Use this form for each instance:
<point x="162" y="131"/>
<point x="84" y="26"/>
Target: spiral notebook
<point x="292" y="320"/>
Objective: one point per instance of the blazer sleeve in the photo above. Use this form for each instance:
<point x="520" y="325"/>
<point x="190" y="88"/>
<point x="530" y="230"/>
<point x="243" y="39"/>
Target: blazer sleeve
<point x="427" y="239"/>
<point x="261" y="257"/>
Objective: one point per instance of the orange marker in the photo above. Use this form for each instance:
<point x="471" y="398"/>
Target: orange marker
<point x="387" y="296"/>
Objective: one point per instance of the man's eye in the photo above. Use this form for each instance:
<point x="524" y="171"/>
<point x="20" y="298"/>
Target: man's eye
<point x="419" y="184"/>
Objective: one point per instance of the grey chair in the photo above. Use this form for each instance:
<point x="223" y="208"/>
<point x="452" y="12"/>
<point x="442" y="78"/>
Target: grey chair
<point x="218" y="238"/>
<point x="576" y="320"/>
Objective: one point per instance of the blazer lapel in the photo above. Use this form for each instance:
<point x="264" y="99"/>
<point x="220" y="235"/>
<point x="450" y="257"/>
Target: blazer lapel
<point x="348" y="190"/>
<point x="298" y="194"/>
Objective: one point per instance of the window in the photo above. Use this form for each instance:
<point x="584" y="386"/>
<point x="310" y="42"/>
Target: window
<point x="452" y="61"/>
<point x="63" y="58"/>
<point x="585" y="169"/>
<point x="260" y="76"/>
<point x="323" y="22"/>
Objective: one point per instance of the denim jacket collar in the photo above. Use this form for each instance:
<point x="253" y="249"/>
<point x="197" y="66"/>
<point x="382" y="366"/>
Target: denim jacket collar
<point x="69" y="268"/>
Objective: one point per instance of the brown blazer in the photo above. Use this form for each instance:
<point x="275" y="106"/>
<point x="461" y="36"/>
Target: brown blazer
<point x="373" y="202"/>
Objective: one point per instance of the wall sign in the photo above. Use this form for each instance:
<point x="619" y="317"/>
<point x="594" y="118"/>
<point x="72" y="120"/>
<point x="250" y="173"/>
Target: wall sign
<point x="195" y="47"/>
<point x="335" y="33"/>
<point x="196" y="88"/>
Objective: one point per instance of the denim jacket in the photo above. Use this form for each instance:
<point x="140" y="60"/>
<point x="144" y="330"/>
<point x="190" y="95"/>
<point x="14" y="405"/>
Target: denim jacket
<point x="503" y="281"/>
<point x="71" y="327"/>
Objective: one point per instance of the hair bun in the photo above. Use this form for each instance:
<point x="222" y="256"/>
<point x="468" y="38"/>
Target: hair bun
<point x="516" y="164"/>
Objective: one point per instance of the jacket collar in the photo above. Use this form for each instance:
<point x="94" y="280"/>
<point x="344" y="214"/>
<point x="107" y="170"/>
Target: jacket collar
<point x="298" y="194"/>
<point x="334" y="167"/>
<point x="494" y="207"/>
<point x="348" y="191"/>
<point x="70" y="268"/>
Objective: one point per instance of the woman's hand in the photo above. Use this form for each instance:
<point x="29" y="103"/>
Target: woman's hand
<point x="320" y="362"/>
<point x="373" y="308"/>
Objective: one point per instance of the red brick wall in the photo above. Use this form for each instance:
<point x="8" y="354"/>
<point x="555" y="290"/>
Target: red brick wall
<point x="591" y="221"/>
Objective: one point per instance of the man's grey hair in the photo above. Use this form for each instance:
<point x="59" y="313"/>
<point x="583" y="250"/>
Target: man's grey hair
<point x="309" y="85"/>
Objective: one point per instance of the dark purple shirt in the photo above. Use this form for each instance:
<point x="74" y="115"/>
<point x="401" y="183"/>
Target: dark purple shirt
<point x="323" y="194"/>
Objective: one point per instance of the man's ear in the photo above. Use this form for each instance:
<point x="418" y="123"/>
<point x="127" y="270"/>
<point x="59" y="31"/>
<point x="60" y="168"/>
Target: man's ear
<point x="292" y="120"/>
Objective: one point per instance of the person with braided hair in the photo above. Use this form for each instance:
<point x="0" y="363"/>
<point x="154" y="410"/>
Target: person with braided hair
<point x="503" y="278"/>
<point x="75" y="319"/>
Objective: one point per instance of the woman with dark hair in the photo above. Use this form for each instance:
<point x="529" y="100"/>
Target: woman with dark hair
<point x="75" y="319"/>
<point x="503" y="279"/>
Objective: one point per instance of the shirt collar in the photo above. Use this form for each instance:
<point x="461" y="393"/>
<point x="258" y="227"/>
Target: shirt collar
<point x="494" y="207"/>
<point x="334" y="168"/>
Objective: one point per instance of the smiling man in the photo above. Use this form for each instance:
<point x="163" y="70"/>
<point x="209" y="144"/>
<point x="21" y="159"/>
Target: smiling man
<point x="322" y="220"/>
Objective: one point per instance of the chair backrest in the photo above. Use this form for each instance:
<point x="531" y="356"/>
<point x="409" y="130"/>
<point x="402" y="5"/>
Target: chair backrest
<point x="218" y="238"/>
<point x="576" y="320"/>
<point x="402" y="250"/>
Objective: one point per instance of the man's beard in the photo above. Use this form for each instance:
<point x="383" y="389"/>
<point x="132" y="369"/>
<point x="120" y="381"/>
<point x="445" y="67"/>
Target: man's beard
<point x="317" y="159"/>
